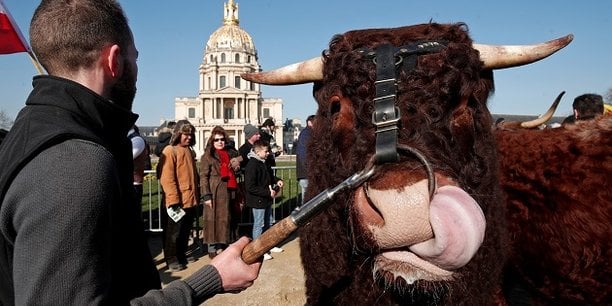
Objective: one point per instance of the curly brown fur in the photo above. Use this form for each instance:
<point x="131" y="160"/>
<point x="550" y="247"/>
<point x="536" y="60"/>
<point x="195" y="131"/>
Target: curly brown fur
<point x="558" y="197"/>
<point x="444" y="115"/>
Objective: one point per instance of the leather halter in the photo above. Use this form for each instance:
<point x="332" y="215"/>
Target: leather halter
<point x="386" y="116"/>
<point x="389" y="59"/>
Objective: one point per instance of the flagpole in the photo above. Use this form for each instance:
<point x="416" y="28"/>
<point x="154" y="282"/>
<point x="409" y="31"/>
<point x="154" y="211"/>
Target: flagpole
<point x="36" y="64"/>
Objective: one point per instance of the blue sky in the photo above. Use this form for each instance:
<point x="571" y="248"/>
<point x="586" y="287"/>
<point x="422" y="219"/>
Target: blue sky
<point x="171" y="36"/>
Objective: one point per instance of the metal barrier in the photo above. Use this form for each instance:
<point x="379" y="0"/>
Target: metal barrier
<point x="152" y="200"/>
<point x="283" y="204"/>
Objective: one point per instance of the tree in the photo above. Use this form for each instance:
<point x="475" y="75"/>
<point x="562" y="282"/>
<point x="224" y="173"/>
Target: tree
<point x="5" y="120"/>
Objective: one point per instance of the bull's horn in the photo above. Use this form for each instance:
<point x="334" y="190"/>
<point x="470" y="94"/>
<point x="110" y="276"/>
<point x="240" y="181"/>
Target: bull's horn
<point x="544" y="118"/>
<point x="498" y="57"/>
<point x="303" y="72"/>
<point x="494" y="57"/>
<point x="513" y="125"/>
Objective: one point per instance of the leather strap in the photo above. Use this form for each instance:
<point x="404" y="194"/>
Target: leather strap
<point x="386" y="115"/>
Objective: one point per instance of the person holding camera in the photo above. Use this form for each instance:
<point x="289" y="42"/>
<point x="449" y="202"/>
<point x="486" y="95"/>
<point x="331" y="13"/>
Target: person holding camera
<point x="261" y="186"/>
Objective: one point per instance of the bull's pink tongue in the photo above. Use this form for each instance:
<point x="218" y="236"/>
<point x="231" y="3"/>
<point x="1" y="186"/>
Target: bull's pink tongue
<point x="458" y="224"/>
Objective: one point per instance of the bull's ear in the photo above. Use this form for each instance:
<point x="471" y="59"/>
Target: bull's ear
<point x="462" y="115"/>
<point x="462" y="126"/>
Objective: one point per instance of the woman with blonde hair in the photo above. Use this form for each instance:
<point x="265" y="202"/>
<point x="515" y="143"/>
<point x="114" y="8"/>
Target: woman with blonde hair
<point x="218" y="188"/>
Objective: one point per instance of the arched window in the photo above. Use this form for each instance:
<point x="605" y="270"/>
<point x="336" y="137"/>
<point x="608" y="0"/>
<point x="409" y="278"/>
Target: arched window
<point x="222" y="57"/>
<point x="249" y="59"/>
<point x="237" y="58"/>
<point x="212" y="59"/>
<point x="222" y="81"/>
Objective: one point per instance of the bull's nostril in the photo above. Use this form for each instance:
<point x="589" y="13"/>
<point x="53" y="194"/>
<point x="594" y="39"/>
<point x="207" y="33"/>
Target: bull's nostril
<point x="366" y="189"/>
<point x="366" y="209"/>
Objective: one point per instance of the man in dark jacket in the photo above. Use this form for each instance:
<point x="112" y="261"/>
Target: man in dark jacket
<point x="70" y="231"/>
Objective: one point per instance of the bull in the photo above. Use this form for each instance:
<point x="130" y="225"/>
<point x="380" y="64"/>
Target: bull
<point x="428" y="226"/>
<point x="558" y="211"/>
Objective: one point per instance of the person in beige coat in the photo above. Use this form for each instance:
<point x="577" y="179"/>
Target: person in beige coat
<point x="179" y="180"/>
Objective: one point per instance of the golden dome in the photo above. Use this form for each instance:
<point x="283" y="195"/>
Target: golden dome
<point x="230" y="36"/>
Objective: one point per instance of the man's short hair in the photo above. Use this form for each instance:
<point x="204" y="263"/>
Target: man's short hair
<point x="588" y="106"/>
<point x="69" y="35"/>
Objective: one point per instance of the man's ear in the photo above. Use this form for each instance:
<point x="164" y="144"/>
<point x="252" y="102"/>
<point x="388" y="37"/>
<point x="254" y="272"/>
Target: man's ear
<point x="113" y="61"/>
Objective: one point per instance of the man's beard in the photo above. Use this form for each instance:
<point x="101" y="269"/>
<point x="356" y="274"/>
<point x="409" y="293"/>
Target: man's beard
<point x="124" y="91"/>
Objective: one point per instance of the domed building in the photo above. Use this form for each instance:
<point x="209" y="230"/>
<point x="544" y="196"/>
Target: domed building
<point x="225" y="98"/>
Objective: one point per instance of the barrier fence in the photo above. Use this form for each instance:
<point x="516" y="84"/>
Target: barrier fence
<point x="288" y="199"/>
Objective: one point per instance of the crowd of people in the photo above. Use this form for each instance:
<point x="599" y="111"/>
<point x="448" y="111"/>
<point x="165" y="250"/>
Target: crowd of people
<point x="228" y="180"/>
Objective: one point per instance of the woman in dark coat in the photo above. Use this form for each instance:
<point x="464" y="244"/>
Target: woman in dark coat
<point x="218" y="188"/>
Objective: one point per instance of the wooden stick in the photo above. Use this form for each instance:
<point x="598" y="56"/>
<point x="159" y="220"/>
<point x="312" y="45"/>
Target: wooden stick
<point x="268" y="239"/>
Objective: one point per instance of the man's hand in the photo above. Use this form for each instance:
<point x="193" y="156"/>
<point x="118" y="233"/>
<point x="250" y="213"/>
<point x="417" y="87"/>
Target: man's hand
<point x="236" y="275"/>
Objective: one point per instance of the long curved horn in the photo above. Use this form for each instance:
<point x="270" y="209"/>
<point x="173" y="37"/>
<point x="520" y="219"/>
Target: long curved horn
<point x="498" y="57"/>
<point x="303" y="72"/>
<point x="531" y="124"/>
<point x="494" y="57"/>
<point x="544" y="118"/>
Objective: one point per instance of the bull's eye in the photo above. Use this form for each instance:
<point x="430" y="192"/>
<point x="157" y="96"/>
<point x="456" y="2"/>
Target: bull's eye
<point x="334" y="106"/>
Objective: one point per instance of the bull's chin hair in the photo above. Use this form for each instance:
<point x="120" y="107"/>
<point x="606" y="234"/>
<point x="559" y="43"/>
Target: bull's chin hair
<point x="420" y="293"/>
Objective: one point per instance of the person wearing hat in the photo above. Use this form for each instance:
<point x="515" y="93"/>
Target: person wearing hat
<point x="251" y="134"/>
<point x="180" y="182"/>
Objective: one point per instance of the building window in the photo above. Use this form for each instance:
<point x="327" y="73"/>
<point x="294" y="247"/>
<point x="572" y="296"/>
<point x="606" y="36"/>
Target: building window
<point x="228" y="108"/>
<point x="237" y="82"/>
<point x="211" y="58"/>
<point x="222" y="57"/>
<point x="228" y="113"/>
<point x="191" y="111"/>
<point x="266" y="112"/>
<point x="252" y="85"/>
<point x="222" y="81"/>
<point x="209" y="84"/>
<point x="249" y="59"/>
<point x="237" y="58"/>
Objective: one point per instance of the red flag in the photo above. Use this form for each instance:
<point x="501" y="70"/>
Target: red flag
<point x="11" y="40"/>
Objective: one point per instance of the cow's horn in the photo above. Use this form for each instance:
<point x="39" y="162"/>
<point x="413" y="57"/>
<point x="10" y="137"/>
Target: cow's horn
<point x="494" y="57"/>
<point x="303" y="72"/>
<point x="544" y="118"/>
<point x="513" y="125"/>
<point x="498" y="57"/>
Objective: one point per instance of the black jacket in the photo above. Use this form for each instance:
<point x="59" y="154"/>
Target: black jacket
<point x="58" y="110"/>
<point x="257" y="181"/>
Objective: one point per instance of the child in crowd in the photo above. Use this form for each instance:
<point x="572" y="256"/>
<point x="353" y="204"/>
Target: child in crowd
<point x="260" y="188"/>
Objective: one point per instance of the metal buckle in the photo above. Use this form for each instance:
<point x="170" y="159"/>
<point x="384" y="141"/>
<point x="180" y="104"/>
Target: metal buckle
<point x="386" y="124"/>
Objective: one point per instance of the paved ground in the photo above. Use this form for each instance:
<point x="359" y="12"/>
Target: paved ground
<point x="280" y="282"/>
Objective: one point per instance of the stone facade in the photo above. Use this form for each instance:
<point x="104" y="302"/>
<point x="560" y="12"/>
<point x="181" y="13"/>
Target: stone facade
<point x="224" y="98"/>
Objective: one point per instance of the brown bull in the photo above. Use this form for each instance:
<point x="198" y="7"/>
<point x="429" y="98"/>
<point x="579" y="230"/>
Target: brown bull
<point x="429" y="226"/>
<point x="556" y="184"/>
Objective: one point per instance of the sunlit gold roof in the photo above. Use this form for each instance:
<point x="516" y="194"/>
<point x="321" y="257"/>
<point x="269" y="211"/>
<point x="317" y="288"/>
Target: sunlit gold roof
<point x="230" y="35"/>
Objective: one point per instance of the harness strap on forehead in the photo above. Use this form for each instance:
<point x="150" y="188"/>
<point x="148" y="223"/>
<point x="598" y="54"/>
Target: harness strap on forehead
<point x="386" y="114"/>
